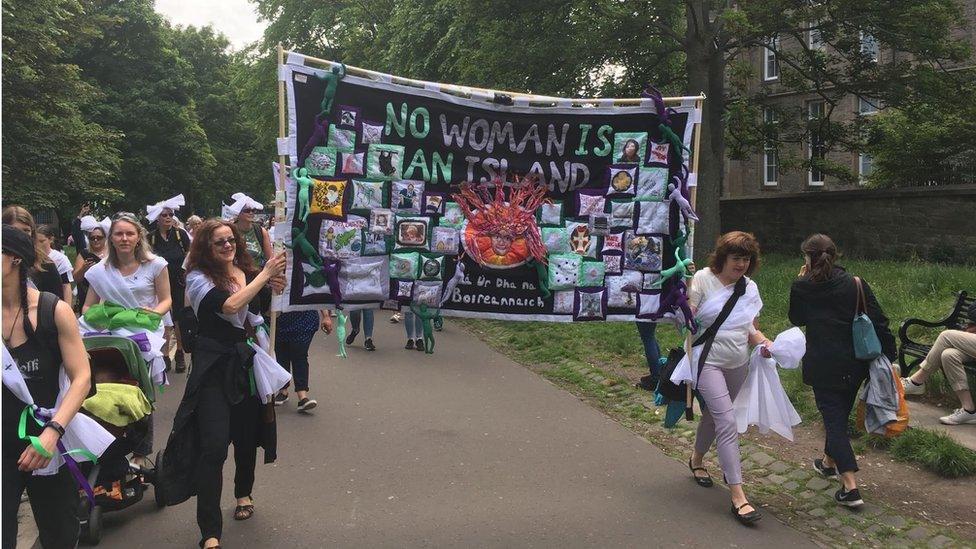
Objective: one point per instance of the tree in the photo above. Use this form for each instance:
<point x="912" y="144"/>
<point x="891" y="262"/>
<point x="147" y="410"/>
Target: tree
<point x="148" y="97"/>
<point x="566" y="48"/>
<point x="53" y="154"/>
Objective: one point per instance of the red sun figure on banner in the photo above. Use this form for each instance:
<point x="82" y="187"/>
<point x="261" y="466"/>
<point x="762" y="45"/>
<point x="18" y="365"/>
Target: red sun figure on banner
<point x="501" y="232"/>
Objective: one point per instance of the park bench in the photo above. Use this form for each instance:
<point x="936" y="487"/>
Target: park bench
<point x="911" y="352"/>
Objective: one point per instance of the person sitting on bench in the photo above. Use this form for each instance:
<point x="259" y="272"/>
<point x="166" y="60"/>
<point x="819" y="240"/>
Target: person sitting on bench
<point x="951" y="350"/>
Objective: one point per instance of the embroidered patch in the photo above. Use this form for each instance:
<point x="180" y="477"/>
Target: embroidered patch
<point x="652" y="183"/>
<point x="372" y="133"/>
<point x="342" y="140"/>
<point x="453" y="216"/>
<point x="629" y="147"/>
<point x="588" y="204"/>
<point x="613" y="263"/>
<point x="658" y="153"/>
<point x="433" y="203"/>
<point x="562" y="302"/>
<point x="364" y="278"/>
<point x="591" y="273"/>
<point x="599" y="224"/>
<point x="375" y="243"/>
<point x="368" y="195"/>
<point x="642" y="253"/>
<point x="411" y="232"/>
<point x="551" y="214"/>
<point x="555" y="239"/>
<point x="352" y="163"/>
<point x="381" y="221"/>
<point x="403" y="289"/>
<point x="328" y="197"/>
<point x="321" y="162"/>
<point x="621" y="290"/>
<point x="621" y="214"/>
<point x="348" y="116"/>
<point x="590" y="304"/>
<point x="621" y="180"/>
<point x="341" y="239"/>
<point x="405" y="265"/>
<point x="581" y="241"/>
<point x="384" y="162"/>
<point x="653" y="217"/>
<point x="613" y="242"/>
<point x="648" y="304"/>
<point x="307" y="288"/>
<point x="431" y="266"/>
<point x="427" y="293"/>
<point x="563" y="271"/>
<point x="445" y="240"/>
<point x="406" y="195"/>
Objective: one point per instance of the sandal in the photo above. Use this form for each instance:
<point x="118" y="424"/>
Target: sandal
<point x="244" y="512"/>
<point x="704" y="482"/>
<point x="747" y="518"/>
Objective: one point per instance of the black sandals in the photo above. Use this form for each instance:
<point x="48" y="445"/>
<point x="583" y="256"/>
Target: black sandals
<point x="704" y="482"/>
<point x="747" y="518"/>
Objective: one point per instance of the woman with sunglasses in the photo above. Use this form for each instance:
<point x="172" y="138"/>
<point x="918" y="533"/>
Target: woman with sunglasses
<point x="172" y="244"/>
<point x="256" y="238"/>
<point x="44" y="275"/>
<point x="218" y="406"/>
<point x="96" y="235"/>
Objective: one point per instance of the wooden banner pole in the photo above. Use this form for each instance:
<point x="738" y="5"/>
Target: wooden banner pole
<point x="279" y="202"/>
<point x="696" y="140"/>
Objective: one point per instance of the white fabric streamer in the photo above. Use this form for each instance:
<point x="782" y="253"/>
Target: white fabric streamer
<point x="153" y="211"/>
<point x="82" y="432"/>
<point x="453" y="282"/>
<point x="762" y="401"/>
<point x="788" y="348"/>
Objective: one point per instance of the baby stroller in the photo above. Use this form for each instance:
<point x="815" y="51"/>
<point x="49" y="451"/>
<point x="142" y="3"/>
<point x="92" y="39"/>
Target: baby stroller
<point x="117" y="483"/>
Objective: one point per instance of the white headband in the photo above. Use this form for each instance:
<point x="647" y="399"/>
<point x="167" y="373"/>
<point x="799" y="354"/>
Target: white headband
<point x="152" y="212"/>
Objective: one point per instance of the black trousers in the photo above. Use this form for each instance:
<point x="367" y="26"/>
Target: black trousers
<point x="54" y="501"/>
<point x="293" y="356"/>
<point x="219" y="424"/>
<point x="835" y="406"/>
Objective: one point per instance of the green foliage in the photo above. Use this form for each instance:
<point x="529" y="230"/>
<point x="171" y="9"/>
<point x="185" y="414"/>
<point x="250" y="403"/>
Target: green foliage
<point x="937" y="452"/>
<point x="53" y="153"/>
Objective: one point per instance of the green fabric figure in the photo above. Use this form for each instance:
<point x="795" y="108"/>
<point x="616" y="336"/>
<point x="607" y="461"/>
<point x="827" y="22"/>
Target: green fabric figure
<point x="669" y="134"/>
<point x="316" y="279"/>
<point x="681" y="263"/>
<point x="331" y="80"/>
<point x="340" y="330"/>
<point x="425" y="316"/>
<point x="300" y="175"/>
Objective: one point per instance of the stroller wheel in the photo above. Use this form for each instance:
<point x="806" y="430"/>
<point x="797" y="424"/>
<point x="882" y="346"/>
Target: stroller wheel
<point x="158" y="493"/>
<point x="91" y="532"/>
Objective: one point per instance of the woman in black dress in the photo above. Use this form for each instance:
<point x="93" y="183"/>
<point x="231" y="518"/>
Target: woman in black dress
<point x="171" y="243"/>
<point x="217" y="406"/>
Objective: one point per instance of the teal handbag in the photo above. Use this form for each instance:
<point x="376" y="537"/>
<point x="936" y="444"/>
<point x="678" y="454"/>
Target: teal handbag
<point x="867" y="346"/>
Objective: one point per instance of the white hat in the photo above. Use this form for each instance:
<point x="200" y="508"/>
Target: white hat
<point x="153" y="211"/>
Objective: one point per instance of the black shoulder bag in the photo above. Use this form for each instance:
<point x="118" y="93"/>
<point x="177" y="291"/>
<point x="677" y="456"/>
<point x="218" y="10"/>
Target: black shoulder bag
<point x="678" y="392"/>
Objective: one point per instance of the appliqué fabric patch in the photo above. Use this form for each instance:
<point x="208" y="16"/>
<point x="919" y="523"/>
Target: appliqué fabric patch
<point x="381" y="221"/>
<point x="372" y="133"/>
<point x="384" y="161"/>
<point x="328" y="197"/>
<point x="427" y="293"/>
<point x="348" y="116"/>
<point x="342" y="239"/>
<point x="621" y="214"/>
<point x="308" y="289"/>
<point x="412" y="232"/>
<point x="588" y="204"/>
<point x="591" y="273"/>
<point x="321" y="162"/>
<point x="652" y="184"/>
<point x="648" y="304"/>
<point x="555" y="239"/>
<point x="406" y="195"/>
<point x="621" y="180"/>
<point x="629" y="147"/>
<point x="368" y="195"/>
<point x="658" y="153"/>
<point x="405" y="265"/>
<point x="562" y="302"/>
<point x="653" y="217"/>
<point x="431" y="266"/>
<point x="445" y="240"/>
<point x="590" y="304"/>
<point x="402" y="289"/>
<point x="375" y="243"/>
<point x="433" y="203"/>
<point x="613" y="263"/>
<point x="581" y="241"/>
<point x="342" y="140"/>
<point x="551" y="214"/>
<point x="364" y="279"/>
<point x="453" y="216"/>
<point x="642" y="253"/>
<point x="622" y="290"/>
<point x="599" y="224"/>
<point x="613" y="242"/>
<point x="352" y="163"/>
<point x="563" y="270"/>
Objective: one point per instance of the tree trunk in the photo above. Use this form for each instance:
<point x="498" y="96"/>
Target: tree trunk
<point x="706" y="73"/>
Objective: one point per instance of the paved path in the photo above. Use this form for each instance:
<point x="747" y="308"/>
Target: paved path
<point x="463" y="448"/>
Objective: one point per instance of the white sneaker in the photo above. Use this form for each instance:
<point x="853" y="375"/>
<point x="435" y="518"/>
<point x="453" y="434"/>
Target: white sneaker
<point x="911" y="388"/>
<point x="959" y="417"/>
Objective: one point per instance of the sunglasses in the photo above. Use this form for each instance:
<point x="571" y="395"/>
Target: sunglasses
<point x="223" y="242"/>
<point x="96" y="238"/>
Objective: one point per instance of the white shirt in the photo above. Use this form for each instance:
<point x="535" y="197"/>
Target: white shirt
<point x="731" y="347"/>
<point x="61" y="262"/>
<point x="142" y="282"/>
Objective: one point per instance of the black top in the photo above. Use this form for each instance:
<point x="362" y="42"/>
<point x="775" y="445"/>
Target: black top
<point x="212" y="325"/>
<point x="173" y="249"/>
<point x="48" y="279"/>
<point x="827" y="310"/>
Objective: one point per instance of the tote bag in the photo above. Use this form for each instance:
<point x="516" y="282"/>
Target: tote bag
<point x="867" y="346"/>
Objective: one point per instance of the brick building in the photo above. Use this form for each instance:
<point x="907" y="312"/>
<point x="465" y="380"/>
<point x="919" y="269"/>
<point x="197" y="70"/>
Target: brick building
<point x="761" y="174"/>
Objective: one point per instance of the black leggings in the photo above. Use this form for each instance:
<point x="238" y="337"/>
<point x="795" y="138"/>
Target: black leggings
<point x="219" y="424"/>
<point x="835" y="406"/>
<point x="53" y="499"/>
<point x="293" y="356"/>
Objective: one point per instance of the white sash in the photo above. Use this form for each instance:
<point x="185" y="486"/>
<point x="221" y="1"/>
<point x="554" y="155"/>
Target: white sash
<point x="82" y="432"/>
<point x="762" y="401"/>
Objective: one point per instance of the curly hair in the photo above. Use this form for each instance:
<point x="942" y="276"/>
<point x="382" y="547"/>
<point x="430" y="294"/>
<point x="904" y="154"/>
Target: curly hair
<point x="734" y="243"/>
<point x="202" y="258"/>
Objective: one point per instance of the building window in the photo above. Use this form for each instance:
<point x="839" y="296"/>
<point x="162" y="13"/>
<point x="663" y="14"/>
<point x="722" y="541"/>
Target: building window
<point x="770" y="63"/>
<point x="814" y="38"/>
<point x="815" y="147"/>
<point x="864" y="167"/>
<point x="867" y="105"/>
<point x="869" y="46"/>
<point x="770" y="156"/>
